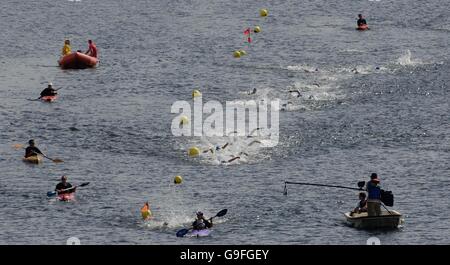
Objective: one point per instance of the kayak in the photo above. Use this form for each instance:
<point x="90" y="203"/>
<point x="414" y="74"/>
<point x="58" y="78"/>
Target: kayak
<point x="49" y="98"/>
<point x="77" y="60"/>
<point x="66" y="196"/>
<point x="363" y="27"/>
<point x="199" y="233"/>
<point x="387" y="220"/>
<point x="33" y="159"/>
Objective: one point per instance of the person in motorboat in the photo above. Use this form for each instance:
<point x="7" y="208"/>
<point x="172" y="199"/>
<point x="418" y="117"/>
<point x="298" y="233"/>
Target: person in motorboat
<point x="92" y="49"/>
<point x="374" y="198"/>
<point x="32" y="150"/>
<point x="48" y="91"/>
<point x="362" y="204"/>
<point x="66" y="48"/>
<point x="201" y="222"/>
<point x="61" y="188"/>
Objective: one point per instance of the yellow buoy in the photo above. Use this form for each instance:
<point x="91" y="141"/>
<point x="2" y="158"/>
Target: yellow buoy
<point x="257" y="29"/>
<point x="237" y="54"/>
<point x="242" y="52"/>
<point x="196" y="93"/>
<point x="178" y="180"/>
<point x="184" y="120"/>
<point x="194" y="151"/>
<point x="263" y="12"/>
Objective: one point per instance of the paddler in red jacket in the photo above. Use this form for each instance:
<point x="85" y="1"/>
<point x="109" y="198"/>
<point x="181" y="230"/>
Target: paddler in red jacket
<point x="92" y="50"/>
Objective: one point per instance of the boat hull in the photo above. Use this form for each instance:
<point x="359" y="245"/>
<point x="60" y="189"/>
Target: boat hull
<point x="32" y="159"/>
<point x="387" y="220"/>
<point x="199" y="233"/>
<point x="363" y="27"/>
<point x="49" y="98"/>
<point x="77" y="60"/>
<point x="66" y="196"/>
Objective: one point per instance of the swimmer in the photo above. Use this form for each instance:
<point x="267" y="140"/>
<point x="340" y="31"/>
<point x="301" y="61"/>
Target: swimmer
<point x="254" y="142"/>
<point x="296" y="91"/>
<point x="252" y="92"/>
<point x="231" y="160"/>
<point x="217" y="148"/>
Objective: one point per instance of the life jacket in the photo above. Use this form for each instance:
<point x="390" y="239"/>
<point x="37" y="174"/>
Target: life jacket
<point x="199" y="224"/>
<point x="374" y="190"/>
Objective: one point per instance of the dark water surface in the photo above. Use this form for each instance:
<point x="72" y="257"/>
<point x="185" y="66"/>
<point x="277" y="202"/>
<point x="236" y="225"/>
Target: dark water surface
<point x="111" y="124"/>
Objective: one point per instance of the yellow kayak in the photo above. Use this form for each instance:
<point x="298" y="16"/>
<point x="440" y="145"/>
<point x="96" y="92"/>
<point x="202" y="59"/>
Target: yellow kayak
<point x="33" y="159"/>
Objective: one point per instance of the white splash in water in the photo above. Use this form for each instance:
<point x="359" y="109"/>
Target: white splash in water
<point x="405" y="59"/>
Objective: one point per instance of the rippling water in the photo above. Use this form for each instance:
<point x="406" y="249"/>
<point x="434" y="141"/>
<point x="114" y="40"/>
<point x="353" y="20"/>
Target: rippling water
<point x="111" y="124"/>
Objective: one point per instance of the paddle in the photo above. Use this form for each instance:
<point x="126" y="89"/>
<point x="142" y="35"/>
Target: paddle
<point x="184" y="231"/>
<point x="53" y="193"/>
<point x="55" y="160"/>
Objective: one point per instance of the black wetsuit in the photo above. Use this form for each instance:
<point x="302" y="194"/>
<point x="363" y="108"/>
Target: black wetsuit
<point x="199" y="225"/>
<point x="61" y="186"/>
<point x="361" y="22"/>
<point x="32" y="151"/>
<point x="48" y="92"/>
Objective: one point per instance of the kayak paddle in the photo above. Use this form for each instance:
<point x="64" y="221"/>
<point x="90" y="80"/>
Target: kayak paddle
<point x="18" y="146"/>
<point x="184" y="231"/>
<point x="55" y="160"/>
<point x="53" y="193"/>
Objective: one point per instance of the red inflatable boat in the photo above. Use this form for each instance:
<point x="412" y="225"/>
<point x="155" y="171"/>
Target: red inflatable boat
<point x="77" y="60"/>
<point x="363" y="27"/>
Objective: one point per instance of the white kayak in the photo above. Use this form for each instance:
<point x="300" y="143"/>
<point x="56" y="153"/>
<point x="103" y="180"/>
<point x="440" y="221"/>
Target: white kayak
<point x="199" y="233"/>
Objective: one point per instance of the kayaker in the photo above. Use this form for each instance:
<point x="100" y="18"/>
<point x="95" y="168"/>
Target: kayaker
<point x="362" y="204"/>
<point x="49" y="91"/>
<point x="374" y="199"/>
<point x="201" y="223"/>
<point x="63" y="185"/>
<point x="32" y="150"/>
<point x="361" y="21"/>
<point x="66" y="48"/>
<point x="92" y="50"/>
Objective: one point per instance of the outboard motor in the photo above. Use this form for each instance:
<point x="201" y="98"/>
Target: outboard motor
<point x="387" y="198"/>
